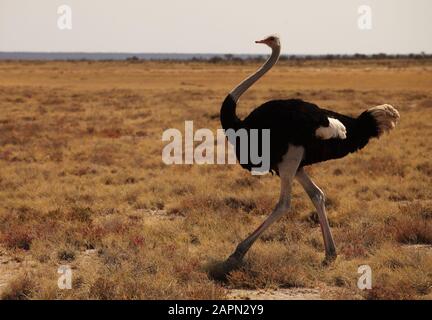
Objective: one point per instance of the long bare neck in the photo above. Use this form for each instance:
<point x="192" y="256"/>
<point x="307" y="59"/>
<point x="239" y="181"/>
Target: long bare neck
<point x="228" y="116"/>
<point x="248" y="82"/>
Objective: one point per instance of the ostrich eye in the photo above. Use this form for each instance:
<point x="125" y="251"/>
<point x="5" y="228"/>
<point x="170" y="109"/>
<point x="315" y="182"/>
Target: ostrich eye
<point x="271" y="38"/>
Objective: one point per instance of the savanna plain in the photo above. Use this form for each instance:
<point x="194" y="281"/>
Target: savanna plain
<point x="82" y="183"/>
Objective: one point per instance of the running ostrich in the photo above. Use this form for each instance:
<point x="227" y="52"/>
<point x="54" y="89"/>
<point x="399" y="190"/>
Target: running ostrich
<point x="301" y="134"/>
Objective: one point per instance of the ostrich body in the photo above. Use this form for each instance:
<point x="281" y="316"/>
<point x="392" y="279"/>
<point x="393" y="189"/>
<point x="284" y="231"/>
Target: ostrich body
<point x="301" y="134"/>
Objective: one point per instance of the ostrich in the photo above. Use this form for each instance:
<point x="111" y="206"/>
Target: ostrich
<point x="301" y="134"/>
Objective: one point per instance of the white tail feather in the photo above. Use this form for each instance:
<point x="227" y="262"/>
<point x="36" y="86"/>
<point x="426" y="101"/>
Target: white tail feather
<point x="335" y="130"/>
<point x="385" y="116"/>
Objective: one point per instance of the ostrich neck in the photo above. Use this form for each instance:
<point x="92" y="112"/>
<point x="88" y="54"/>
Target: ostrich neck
<point x="228" y="116"/>
<point x="248" y="82"/>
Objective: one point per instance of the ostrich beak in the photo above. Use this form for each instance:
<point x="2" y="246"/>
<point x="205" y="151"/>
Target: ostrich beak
<point x="260" y="41"/>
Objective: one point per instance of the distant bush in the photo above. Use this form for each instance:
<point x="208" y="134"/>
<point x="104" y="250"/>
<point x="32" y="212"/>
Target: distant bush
<point x="133" y="58"/>
<point x="215" y="59"/>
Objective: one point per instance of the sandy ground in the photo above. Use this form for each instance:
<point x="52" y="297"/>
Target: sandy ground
<point x="279" y="294"/>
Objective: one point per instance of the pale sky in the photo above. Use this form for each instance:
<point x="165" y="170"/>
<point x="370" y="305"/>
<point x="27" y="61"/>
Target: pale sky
<point x="217" y="26"/>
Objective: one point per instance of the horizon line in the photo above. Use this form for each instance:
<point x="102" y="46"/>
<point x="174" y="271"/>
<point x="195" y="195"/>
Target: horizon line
<point x="212" y="53"/>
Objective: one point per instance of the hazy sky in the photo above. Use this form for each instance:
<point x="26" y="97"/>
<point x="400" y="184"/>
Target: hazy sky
<point x="217" y="26"/>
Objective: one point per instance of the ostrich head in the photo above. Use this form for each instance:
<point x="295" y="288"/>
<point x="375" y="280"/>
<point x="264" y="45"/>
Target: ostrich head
<point x="272" y="41"/>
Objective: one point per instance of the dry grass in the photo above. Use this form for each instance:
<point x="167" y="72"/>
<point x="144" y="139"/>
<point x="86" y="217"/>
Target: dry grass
<point x="82" y="183"/>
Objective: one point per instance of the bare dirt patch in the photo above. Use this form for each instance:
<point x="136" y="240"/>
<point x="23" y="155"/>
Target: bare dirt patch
<point x="279" y="294"/>
<point x="318" y="293"/>
<point x="426" y="248"/>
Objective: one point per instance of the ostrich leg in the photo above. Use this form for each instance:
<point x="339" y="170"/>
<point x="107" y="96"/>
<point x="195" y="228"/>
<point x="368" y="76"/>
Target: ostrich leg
<point x="287" y="170"/>
<point x="318" y="199"/>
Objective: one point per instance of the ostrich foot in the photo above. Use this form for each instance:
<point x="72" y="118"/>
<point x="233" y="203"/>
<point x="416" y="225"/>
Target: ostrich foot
<point x="329" y="258"/>
<point x="220" y="270"/>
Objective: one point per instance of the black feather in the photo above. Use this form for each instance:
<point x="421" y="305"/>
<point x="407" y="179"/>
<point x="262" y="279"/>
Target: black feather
<point x="294" y="122"/>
